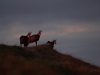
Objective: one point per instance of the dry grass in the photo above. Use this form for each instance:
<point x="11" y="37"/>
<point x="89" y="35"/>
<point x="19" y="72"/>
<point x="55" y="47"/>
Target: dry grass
<point x="41" y="60"/>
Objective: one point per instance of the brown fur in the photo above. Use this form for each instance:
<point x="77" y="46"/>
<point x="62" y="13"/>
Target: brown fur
<point x="34" y="38"/>
<point x="24" y="39"/>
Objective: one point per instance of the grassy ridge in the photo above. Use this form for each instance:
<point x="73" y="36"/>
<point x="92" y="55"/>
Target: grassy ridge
<point x="41" y="60"/>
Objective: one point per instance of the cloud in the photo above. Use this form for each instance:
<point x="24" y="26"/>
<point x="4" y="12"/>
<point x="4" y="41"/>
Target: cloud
<point x="72" y="29"/>
<point x="25" y="11"/>
<point x="62" y="28"/>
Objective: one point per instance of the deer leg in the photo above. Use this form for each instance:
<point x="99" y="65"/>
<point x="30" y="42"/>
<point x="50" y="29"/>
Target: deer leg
<point x="21" y="45"/>
<point x="24" y="46"/>
<point x="36" y="43"/>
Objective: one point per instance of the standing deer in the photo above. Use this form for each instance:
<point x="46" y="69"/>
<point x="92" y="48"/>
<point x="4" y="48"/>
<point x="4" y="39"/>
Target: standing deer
<point x="51" y="43"/>
<point x="24" y="39"/>
<point x="34" y="38"/>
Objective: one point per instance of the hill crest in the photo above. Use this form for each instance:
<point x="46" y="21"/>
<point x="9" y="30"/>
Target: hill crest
<point x="41" y="60"/>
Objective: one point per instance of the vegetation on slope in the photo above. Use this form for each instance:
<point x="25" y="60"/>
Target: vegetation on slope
<point x="41" y="60"/>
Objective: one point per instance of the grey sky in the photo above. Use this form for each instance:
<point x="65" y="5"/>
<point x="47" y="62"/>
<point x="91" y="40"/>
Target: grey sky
<point x="74" y="23"/>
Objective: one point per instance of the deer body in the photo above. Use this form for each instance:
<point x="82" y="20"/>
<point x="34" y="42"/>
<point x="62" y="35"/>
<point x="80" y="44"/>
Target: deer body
<point x="51" y="43"/>
<point x="24" y="40"/>
<point x="34" y="38"/>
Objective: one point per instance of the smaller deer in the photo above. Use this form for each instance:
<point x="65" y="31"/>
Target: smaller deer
<point x="51" y="43"/>
<point x="24" y="39"/>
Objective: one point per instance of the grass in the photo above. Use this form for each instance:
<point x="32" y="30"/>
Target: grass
<point x="41" y="60"/>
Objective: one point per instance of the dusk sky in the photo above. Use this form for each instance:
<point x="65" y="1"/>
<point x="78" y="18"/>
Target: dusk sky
<point x="74" y="23"/>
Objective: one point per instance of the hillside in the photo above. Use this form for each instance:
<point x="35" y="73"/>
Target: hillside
<point x="41" y="60"/>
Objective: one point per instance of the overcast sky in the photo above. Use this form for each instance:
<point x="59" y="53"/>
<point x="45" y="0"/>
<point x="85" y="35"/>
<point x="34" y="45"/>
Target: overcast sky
<point x="74" y="23"/>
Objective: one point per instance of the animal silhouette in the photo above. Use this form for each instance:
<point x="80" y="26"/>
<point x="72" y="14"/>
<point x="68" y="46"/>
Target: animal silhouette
<point x="51" y="43"/>
<point x="24" y="39"/>
<point x="34" y="38"/>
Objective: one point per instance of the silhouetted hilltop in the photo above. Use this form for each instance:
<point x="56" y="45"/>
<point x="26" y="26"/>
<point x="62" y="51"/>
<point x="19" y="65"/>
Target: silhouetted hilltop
<point x="41" y="60"/>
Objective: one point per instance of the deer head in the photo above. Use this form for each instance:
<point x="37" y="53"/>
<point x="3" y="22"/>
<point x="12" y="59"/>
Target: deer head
<point x="29" y="34"/>
<point x="39" y="33"/>
<point x="54" y="41"/>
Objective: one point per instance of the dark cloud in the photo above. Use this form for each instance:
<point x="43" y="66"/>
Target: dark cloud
<point x="53" y="9"/>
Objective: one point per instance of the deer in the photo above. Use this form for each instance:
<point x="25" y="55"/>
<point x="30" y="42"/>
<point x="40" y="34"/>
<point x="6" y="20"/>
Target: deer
<point x="51" y="43"/>
<point x="35" y="37"/>
<point x="24" y="39"/>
